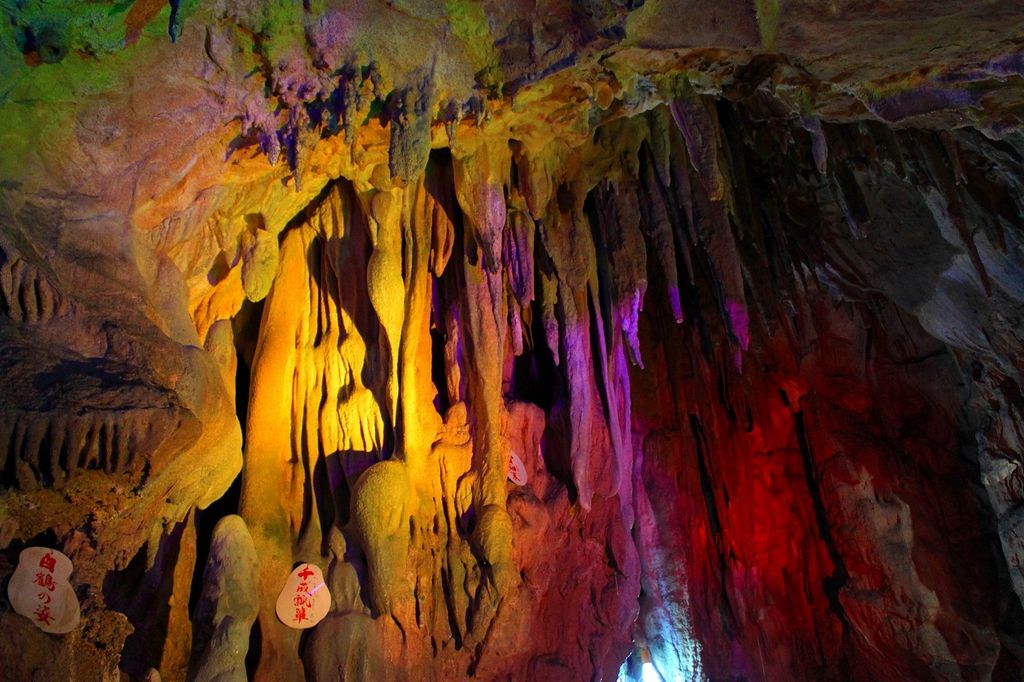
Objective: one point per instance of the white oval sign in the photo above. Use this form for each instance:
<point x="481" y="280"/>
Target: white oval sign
<point x="40" y="591"/>
<point x="305" y="599"/>
<point x="516" y="469"/>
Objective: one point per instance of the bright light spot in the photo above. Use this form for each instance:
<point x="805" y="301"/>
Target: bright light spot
<point x="647" y="673"/>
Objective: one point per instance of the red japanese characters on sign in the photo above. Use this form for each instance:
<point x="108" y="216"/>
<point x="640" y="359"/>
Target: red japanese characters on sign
<point x="48" y="562"/>
<point x="40" y="590"/>
<point x="516" y="469"/>
<point x="305" y="599"/>
<point x="42" y="614"/>
<point x="45" y="580"/>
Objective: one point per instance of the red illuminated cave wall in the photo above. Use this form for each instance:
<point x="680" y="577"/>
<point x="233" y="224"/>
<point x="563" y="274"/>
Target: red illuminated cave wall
<point x="813" y="508"/>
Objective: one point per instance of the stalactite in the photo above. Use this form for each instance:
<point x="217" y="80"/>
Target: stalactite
<point x="384" y="280"/>
<point x="517" y="258"/>
<point x="659" y="229"/>
<point x="623" y="242"/>
<point x="517" y="262"/>
<point x="481" y="176"/>
<point x="537" y="171"/>
<point x="26" y="293"/>
<point x="819" y="143"/>
<point x="659" y="120"/>
<point x="480" y="181"/>
<point x="718" y="242"/>
<point x="410" y="131"/>
<point x="566" y="236"/>
<point x="621" y="248"/>
<point x="698" y="121"/>
<point x="548" y="301"/>
<point x="949" y="202"/>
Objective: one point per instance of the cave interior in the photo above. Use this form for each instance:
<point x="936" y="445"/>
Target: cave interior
<point x="558" y="340"/>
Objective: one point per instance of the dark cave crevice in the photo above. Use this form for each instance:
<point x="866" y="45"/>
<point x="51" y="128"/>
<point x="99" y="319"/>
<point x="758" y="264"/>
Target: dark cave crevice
<point x="832" y="584"/>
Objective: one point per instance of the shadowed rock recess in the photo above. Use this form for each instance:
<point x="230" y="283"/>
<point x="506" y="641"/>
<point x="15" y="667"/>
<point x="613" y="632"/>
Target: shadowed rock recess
<point x="740" y="284"/>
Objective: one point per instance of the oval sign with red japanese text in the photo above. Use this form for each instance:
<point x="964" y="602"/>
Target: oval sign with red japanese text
<point x="516" y="469"/>
<point x="40" y="591"/>
<point x="305" y="599"/>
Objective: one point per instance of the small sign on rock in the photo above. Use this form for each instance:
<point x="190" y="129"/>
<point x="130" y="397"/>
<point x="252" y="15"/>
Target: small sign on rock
<point x="305" y="599"/>
<point x="40" y="590"/>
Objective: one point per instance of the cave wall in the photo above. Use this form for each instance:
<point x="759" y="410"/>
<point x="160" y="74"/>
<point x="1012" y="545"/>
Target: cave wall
<point x="845" y="420"/>
<point x="747" y="309"/>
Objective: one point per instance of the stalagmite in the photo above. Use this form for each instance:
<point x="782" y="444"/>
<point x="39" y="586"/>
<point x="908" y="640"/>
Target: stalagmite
<point x="227" y="606"/>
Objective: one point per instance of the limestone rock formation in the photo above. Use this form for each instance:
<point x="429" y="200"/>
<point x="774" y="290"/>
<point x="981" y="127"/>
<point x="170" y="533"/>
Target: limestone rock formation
<point x="739" y="290"/>
<point x="227" y="606"/>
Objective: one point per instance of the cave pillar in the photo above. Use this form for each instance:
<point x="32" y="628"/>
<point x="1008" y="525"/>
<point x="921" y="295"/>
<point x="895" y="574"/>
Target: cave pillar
<point x="268" y="503"/>
<point x="481" y="172"/>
